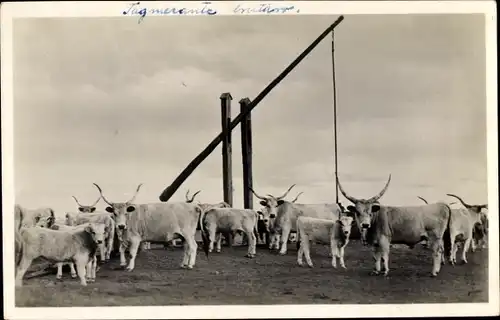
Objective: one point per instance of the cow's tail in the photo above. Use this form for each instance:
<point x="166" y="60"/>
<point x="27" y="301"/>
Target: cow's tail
<point x="204" y="236"/>
<point x="447" y="235"/>
<point x="19" y="246"/>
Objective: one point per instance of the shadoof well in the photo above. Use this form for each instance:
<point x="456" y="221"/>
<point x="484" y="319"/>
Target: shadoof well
<point x="246" y="107"/>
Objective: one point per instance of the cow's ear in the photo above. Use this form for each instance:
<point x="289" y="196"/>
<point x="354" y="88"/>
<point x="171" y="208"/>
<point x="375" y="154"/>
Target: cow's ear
<point x="130" y="208"/>
<point x="37" y="218"/>
<point x="351" y="208"/>
<point x="280" y="202"/>
<point x="50" y="221"/>
<point x="259" y="212"/>
<point x="109" y="209"/>
<point x="92" y="209"/>
<point x="375" y="208"/>
<point x="263" y="203"/>
<point x="80" y="209"/>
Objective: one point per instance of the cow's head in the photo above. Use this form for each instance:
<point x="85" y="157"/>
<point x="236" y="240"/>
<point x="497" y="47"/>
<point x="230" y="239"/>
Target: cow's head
<point x="86" y="209"/>
<point x="121" y="210"/>
<point x="97" y="232"/>
<point x="192" y="198"/>
<point x="364" y="209"/>
<point x="45" y="221"/>
<point x="271" y="203"/>
<point x="345" y="223"/>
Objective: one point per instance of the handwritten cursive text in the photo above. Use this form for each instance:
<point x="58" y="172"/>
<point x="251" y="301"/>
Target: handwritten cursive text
<point x="136" y="10"/>
<point x="265" y="8"/>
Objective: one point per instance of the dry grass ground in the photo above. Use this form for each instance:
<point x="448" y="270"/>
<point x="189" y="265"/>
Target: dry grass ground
<point x="230" y="278"/>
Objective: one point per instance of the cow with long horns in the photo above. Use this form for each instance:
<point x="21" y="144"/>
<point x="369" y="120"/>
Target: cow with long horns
<point x="265" y="232"/>
<point x="462" y="225"/>
<point x="156" y="222"/>
<point x="381" y="226"/>
<point x="284" y="214"/>
<point x="84" y="208"/>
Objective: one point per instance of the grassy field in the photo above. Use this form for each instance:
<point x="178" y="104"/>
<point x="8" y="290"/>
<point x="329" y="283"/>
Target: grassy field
<point x="230" y="278"/>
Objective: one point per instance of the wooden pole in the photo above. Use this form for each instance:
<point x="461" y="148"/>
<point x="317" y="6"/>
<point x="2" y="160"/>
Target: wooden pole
<point x="246" y="153"/>
<point x="227" y="174"/>
<point x="170" y="190"/>
<point x="335" y="119"/>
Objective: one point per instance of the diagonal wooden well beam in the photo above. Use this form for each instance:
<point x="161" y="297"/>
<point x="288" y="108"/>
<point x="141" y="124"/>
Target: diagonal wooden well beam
<point x="170" y="190"/>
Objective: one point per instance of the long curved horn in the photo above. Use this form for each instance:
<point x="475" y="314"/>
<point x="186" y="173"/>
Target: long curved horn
<point x="103" y="198"/>
<point x="136" y="192"/>
<point x="194" y="195"/>
<point x="423" y="200"/>
<point x="187" y="196"/>
<point x="352" y="199"/>
<point x="286" y="193"/>
<point x="93" y="205"/>
<point x="297" y="197"/>
<point x="460" y="199"/>
<point x="381" y="193"/>
<point x="262" y="198"/>
<point x="78" y="203"/>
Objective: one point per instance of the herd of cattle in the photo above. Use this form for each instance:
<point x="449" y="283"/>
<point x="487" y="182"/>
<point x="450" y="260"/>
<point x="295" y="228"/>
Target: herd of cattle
<point x="85" y="235"/>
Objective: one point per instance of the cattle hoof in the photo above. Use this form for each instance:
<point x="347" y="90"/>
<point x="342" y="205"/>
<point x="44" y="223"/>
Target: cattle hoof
<point x="84" y="284"/>
<point x="433" y="275"/>
<point x="301" y="264"/>
<point x="374" y="273"/>
<point x="183" y="266"/>
<point x="189" y="267"/>
<point x="73" y="275"/>
<point x="60" y="277"/>
<point x="282" y="253"/>
<point x="248" y="256"/>
<point x="129" y="269"/>
<point x="218" y="251"/>
<point x="344" y="267"/>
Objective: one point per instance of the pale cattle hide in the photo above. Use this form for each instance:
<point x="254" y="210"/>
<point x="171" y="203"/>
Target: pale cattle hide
<point x="381" y="226"/>
<point x="230" y="220"/>
<point x="74" y="219"/>
<point x="30" y="217"/>
<point x="463" y="222"/>
<point x="156" y="222"/>
<point x="78" y="246"/>
<point x="323" y="231"/>
<point x="283" y="215"/>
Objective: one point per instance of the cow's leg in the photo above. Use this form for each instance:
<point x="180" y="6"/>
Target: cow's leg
<point x="219" y="242"/>
<point x="377" y="255"/>
<point x="72" y="270"/>
<point x="123" y="260"/>
<point x="185" y="257"/>
<point x="437" y="253"/>
<point x="341" y="256"/>
<point x="454" y="249"/>
<point x="307" y="252"/>
<point x="284" y="239"/>
<point x="80" y="268"/>
<point x="252" y="243"/>
<point x="465" y="249"/>
<point x="59" y="270"/>
<point x="473" y="245"/>
<point x="300" y="253"/>
<point x="23" y="266"/>
<point x="192" y="247"/>
<point x="385" y="246"/>
<point x="333" y="253"/>
<point x="135" y="242"/>
<point x="88" y="270"/>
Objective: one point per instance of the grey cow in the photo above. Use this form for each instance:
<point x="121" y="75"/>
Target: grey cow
<point x="155" y="222"/>
<point x="463" y="221"/>
<point x="78" y="246"/>
<point x="230" y="220"/>
<point x="381" y="226"/>
<point x="283" y="214"/>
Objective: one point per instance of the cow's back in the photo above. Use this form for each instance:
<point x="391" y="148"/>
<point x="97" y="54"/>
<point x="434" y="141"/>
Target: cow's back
<point x="411" y="222"/>
<point x="318" y="230"/>
<point x="291" y="211"/>
<point x="152" y="221"/>
<point x="230" y="218"/>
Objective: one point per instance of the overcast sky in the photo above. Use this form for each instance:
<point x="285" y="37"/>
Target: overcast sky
<point x="110" y="101"/>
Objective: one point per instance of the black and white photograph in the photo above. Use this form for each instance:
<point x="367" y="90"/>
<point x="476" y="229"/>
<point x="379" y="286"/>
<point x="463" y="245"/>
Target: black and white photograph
<point x="244" y="154"/>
